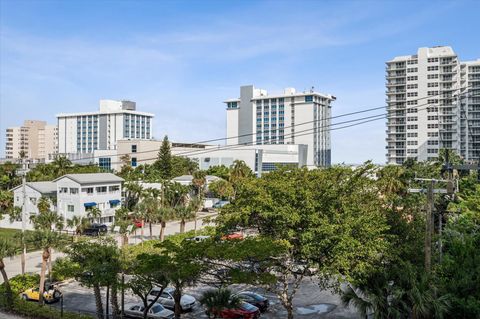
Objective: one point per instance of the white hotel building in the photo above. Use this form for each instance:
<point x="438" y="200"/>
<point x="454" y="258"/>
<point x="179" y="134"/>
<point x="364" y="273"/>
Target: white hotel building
<point x="287" y="118"/>
<point x="91" y="131"/>
<point x="429" y="108"/>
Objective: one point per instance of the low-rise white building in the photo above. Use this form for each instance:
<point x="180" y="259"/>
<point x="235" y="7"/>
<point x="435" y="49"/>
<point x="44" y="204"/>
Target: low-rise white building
<point x="79" y="193"/>
<point x="33" y="192"/>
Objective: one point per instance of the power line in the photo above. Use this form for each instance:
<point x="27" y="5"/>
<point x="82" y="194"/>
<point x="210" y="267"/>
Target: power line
<point x="286" y="127"/>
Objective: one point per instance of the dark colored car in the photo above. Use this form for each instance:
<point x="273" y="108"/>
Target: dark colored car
<point x="255" y="299"/>
<point x="95" y="230"/>
<point x="244" y="311"/>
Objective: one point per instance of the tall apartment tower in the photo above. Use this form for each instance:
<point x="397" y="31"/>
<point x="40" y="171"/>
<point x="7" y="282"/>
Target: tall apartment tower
<point x="429" y="105"/>
<point x="87" y="132"/>
<point x="35" y="140"/>
<point x="288" y="118"/>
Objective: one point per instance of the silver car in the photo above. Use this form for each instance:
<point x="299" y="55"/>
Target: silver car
<point x="157" y="311"/>
<point x="187" y="302"/>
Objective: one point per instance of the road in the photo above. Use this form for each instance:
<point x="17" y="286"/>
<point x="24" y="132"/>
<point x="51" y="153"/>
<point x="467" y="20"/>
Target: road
<point x="33" y="262"/>
<point x="310" y="302"/>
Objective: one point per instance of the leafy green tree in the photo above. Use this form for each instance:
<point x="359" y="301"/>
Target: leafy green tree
<point x="332" y="219"/>
<point x="61" y="164"/>
<point x="6" y="202"/>
<point x="164" y="162"/>
<point x="183" y="268"/>
<point x="217" y="300"/>
<point x="7" y="249"/>
<point x="183" y="166"/>
<point x="146" y="210"/>
<point x="133" y="191"/>
<point x="147" y="271"/>
<point x="184" y="212"/>
<point x="98" y="263"/>
<point x="220" y="171"/>
<point x="222" y="189"/>
<point x="8" y="176"/>
<point x="199" y="183"/>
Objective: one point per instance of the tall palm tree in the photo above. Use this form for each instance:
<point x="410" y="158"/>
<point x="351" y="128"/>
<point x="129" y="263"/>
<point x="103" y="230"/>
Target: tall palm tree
<point x="146" y="210"/>
<point x="78" y="223"/>
<point x="94" y="214"/>
<point x="184" y="212"/>
<point x="47" y="220"/>
<point x="7" y="249"/>
<point x="61" y="164"/>
<point x="239" y="170"/>
<point x="217" y="300"/>
<point x="45" y="240"/>
<point x="162" y="215"/>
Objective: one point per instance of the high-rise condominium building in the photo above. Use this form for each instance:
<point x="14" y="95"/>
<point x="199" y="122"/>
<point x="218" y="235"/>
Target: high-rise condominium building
<point x="432" y="104"/>
<point x="287" y="118"/>
<point x="87" y="132"/>
<point x="35" y="140"/>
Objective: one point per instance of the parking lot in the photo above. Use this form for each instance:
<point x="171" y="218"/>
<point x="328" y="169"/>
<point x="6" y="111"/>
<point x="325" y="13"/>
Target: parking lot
<point x="309" y="303"/>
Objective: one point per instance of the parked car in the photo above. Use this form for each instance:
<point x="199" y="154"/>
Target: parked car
<point x="232" y="236"/>
<point x="50" y="295"/>
<point x="244" y="311"/>
<point x="198" y="238"/>
<point x="220" y="204"/>
<point x="96" y="230"/>
<point x="255" y="299"/>
<point x="187" y="302"/>
<point x="157" y="311"/>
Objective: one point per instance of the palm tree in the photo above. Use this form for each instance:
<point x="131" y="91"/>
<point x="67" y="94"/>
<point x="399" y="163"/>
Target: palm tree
<point x="47" y="220"/>
<point x="78" y="223"/>
<point x="217" y="300"/>
<point x="239" y="170"/>
<point x="184" y="212"/>
<point x="45" y="240"/>
<point x="61" y="164"/>
<point x="162" y="216"/>
<point x="196" y="203"/>
<point x="94" y="213"/>
<point x="7" y="249"/>
<point x="146" y="210"/>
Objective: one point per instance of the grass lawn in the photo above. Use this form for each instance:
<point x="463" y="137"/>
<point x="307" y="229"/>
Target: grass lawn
<point x="13" y="235"/>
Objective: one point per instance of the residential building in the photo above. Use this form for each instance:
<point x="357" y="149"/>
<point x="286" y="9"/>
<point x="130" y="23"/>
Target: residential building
<point x="77" y="194"/>
<point x="33" y="192"/>
<point x="90" y="131"/>
<point x="430" y="106"/>
<point x="257" y="118"/>
<point x="35" y="139"/>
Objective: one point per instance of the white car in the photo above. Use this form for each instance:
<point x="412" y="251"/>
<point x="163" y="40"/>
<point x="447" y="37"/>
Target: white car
<point x="157" y="311"/>
<point x="187" y="302"/>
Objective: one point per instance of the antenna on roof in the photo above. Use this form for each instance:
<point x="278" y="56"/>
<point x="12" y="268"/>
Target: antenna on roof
<point x="312" y="89"/>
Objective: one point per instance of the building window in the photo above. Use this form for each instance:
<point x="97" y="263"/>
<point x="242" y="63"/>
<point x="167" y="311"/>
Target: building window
<point x="101" y="189"/>
<point x="73" y="191"/>
<point x="63" y="190"/>
<point x="134" y="162"/>
<point x="105" y="163"/>
<point x="115" y="188"/>
<point x="88" y="190"/>
<point x="71" y="209"/>
<point x="308" y="98"/>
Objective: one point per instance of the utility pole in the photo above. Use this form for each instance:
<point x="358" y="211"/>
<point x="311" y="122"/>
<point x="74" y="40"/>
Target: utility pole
<point x="430" y="191"/>
<point x="24" y="212"/>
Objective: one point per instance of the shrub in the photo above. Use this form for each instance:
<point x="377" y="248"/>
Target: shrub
<point x="20" y="283"/>
<point x="37" y="311"/>
<point x="64" y="268"/>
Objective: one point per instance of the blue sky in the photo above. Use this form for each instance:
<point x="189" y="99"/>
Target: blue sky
<point x="181" y="59"/>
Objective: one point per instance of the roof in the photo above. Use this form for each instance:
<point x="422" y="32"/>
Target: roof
<point x="41" y="187"/>
<point x="92" y="178"/>
<point x="189" y="178"/>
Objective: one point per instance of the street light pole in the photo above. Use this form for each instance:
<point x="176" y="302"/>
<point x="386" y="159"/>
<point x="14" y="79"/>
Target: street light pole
<point x="24" y="213"/>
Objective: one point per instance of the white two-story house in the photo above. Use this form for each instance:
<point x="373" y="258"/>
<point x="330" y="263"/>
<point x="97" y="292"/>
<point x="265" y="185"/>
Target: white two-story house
<point x="79" y="193"/>
<point x="33" y="192"/>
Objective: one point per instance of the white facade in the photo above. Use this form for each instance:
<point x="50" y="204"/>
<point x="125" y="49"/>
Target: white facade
<point x="87" y="132"/>
<point x="34" y="191"/>
<point x="288" y="118"/>
<point x="260" y="158"/>
<point x="424" y="105"/>
<point x="77" y="193"/>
